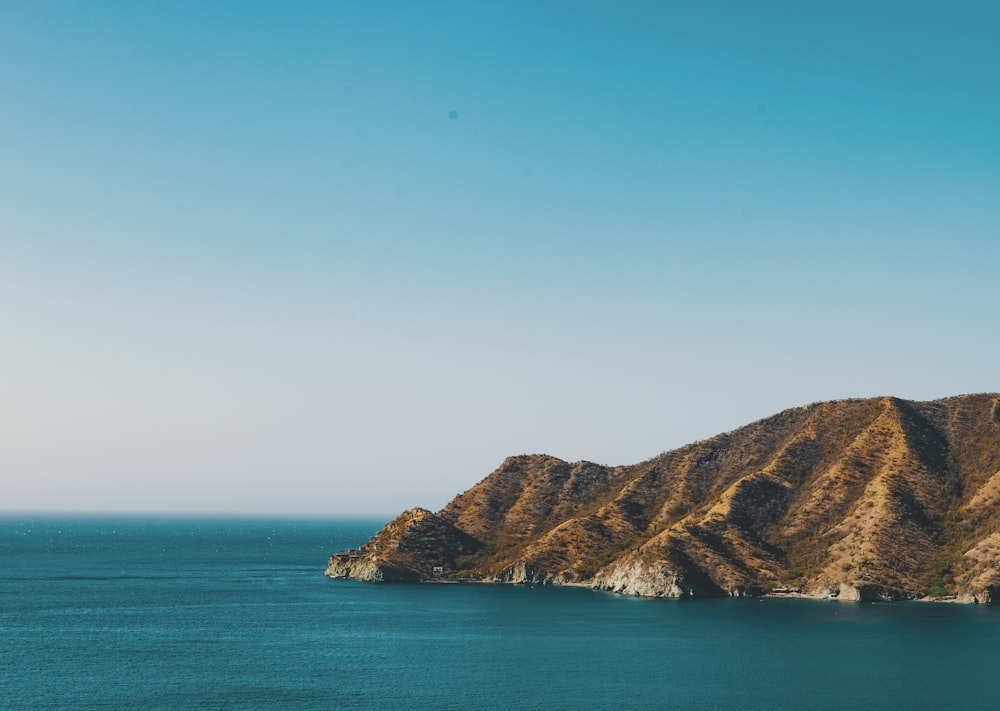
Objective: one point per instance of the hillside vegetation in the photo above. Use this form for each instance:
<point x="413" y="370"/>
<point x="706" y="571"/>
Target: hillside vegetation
<point x="857" y="499"/>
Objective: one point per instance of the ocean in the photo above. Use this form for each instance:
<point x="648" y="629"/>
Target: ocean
<point x="157" y="613"/>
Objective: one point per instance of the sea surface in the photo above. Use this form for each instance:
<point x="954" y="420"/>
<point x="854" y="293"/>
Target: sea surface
<point x="116" y="613"/>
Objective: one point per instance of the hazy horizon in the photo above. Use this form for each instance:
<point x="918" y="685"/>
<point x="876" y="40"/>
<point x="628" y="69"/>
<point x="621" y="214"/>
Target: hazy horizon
<point x="268" y="259"/>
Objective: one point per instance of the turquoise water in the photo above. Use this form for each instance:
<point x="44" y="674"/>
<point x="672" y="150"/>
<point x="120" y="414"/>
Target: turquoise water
<point x="235" y="614"/>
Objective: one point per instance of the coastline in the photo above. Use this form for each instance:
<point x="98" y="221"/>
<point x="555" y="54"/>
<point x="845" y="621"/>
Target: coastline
<point x="816" y="597"/>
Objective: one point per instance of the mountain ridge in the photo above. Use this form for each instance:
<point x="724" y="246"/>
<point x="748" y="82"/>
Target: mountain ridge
<point x="876" y="498"/>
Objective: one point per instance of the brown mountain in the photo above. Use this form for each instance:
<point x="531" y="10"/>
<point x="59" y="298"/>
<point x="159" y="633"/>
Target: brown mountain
<point x="857" y="499"/>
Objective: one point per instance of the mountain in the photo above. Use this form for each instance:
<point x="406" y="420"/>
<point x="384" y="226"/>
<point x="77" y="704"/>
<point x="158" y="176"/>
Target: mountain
<point x="868" y="499"/>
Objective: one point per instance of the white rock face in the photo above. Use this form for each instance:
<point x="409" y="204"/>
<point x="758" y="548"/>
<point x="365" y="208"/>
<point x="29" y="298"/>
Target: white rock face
<point x="524" y="573"/>
<point x="848" y="593"/>
<point x="364" y="569"/>
<point x="642" y="579"/>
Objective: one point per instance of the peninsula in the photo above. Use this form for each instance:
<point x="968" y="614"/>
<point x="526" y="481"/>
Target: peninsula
<point x="867" y="499"/>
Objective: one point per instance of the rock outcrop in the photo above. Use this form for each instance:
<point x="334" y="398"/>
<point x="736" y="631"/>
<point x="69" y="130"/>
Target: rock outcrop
<point x="874" y="499"/>
<point x="417" y="545"/>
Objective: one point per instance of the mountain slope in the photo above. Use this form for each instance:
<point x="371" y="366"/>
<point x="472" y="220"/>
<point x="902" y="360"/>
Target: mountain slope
<point x="859" y="499"/>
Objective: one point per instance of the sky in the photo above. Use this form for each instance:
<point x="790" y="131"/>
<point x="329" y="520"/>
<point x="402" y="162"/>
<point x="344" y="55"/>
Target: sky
<point x="344" y="258"/>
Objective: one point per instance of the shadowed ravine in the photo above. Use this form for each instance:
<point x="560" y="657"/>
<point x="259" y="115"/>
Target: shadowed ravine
<point x="874" y="499"/>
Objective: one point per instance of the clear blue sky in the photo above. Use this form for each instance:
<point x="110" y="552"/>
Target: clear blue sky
<point x="345" y="257"/>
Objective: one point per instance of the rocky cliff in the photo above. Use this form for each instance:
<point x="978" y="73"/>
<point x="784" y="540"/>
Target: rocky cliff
<point x="415" y="546"/>
<point x="855" y="499"/>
